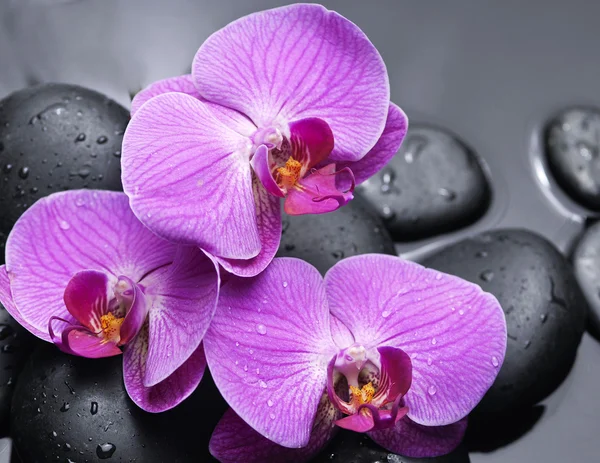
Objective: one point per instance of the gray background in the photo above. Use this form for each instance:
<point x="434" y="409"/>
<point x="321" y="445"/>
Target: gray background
<point x="493" y="72"/>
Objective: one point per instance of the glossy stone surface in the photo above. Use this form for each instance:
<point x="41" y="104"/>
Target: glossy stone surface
<point x="586" y="263"/>
<point x="348" y="447"/>
<point x="573" y="151"/>
<point x="325" y="239"/>
<point x="56" y="137"/>
<point x="434" y="184"/>
<point x="544" y="307"/>
<point x="67" y="407"/>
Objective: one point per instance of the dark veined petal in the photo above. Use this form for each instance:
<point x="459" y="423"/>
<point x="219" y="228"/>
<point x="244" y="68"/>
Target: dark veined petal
<point x="311" y="141"/>
<point x="137" y="308"/>
<point x="78" y="340"/>
<point x="86" y="298"/>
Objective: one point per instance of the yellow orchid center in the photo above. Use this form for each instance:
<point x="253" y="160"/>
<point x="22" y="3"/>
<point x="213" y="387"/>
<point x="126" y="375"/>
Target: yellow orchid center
<point x="111" y="327"/>
<point x="289" y="174"/>
<point x="363" y="395"/>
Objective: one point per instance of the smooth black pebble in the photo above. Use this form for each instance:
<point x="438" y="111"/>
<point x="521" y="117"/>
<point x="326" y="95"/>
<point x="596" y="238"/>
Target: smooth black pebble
<point x="349" y="447"/>
<point x="434" y="184"/>
<point x="573" y="151"/>
<point x="544" y="307"/>
<point x="54" y="417"/>
<point x="324" y="239"/>
<point x="586" y="263"/>
<point x="16" y="344"/>
<point x="56" y="137"/>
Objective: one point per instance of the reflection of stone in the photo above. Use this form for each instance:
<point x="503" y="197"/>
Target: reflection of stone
<point x="433" y="185"/>
<point x="573" y="150"/>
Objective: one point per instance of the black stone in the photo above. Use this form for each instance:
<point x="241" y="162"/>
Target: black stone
<point x="434" y="184"/>
<point x="586" y="263"/>
<point x="325" y="239"/>
<point x="16" y="344"/>
<point x="56" y="137"/>
<point x="53" y="417"/>
<point x="349" y="447"/>
<point x="573" y="151"/>
<point x="544" y="307"/>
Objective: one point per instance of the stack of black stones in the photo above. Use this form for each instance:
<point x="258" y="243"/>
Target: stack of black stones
<point x="57" y="407"/>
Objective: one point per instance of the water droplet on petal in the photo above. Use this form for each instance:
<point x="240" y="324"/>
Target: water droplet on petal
<point x="413" y="355"/>
<point x="429" y="361"/>
<point x="285" y="284"/>
<point x="438" y="276"/>
<point x="461" y="312"/>
<point x="261" y="329"/>
<point x="272" y="416"/>
<point x="434" y="341"/>
<point x="495" y="361"/>
<point x="385" y="313"/>
<point x="432" y="390"/>
<point x="237" y="344"/>
<point x="262" y="384"/>
<point x="270" y="403"/>
<point x="245" y="367"/>
<point x="79" y="202"/>
<point x="64" y="225"/>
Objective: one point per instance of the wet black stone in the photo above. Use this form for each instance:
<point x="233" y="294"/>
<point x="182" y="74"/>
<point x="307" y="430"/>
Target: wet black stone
<point x="325" y="239"/>
<point x="434" y="184"/>
<point x="544" y="307"/>
<point x="573" y="151"/>
<point x="119" y="430"/>
<point x="586" y="263"/>
<point x="349" y="447"/>
<point x="56" y="137"/>
<point x="16" y="345"/>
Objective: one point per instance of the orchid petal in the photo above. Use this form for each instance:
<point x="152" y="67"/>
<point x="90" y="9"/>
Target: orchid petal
<point x="71" y="231"/>
<point x="182" y="84"/>
<point x="76" y="340"/>
<point x="340" y="333"/>
<point x="86" y="298"/>
<point x="268" y="347"/>
<point x="413" y="440"/>
<point x="384" y="150"/>
<point x="312" y="140"/>
<point x="318" y="193"/>
<point x="374" y="419"/>
<point x="183" y="298"/>
<point x="454" y="332"/>
<point x="168" y="393"/>
<point x="234" y="441"/>
<point x="395" y="372"/>
<point x="316" y="64"/>
<point x="137" y="308"/>
<point x="188" y="179"/>
<point x="268" y="219"/>
<point x="7" y="301"/>
<point x="262" y="168"/>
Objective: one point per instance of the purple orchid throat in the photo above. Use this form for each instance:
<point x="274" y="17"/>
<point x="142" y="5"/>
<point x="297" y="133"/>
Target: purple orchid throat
<point x="288" y="103"/>
<point x="81" y="271"/>
<point x="381" y="346"/>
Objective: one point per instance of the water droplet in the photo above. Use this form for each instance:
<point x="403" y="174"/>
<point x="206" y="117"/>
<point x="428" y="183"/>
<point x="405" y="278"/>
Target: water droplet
<point x="461" y="312"/>
<point x="237" y="344"/>
<point x="270" y="403"/>
<point x="67" y="446"/>
<point x="24" y="172"/>
<point x="79" y="202"/>
<point x="80" y="137"/>
<point x="385" y="313"/>
<point x="413" y="355"/>
<point x="84" y="172"/>
<point x="64" y="225"/>
<point x="285" y="284"/>
<point x="387" y="213"/>
<point x="432" y="390"/>
<point x="586" y="150"/>
<point x="261" y="329"/>
<point x="65" y="407"/>
<point x="447" y="194"/>
<point x="245" y="367"/>
<point x="481" y="254"/>
<point x="7" y="168"/>
<point x="289" y="247"/>
<point x="495" y="361"/>
<point x="94" y="408"/>
<point x="487" y="275"/>
<point x="272" y="416"/>
<point x="433" y="341"/>
<point x="388" y="175"/>
<point x="105" y="451"/>
<point x="438" y="276"/>
<point x="544" y="317"/>
<point x="33" y="189"/>
<point x="251" y="351"/>
<point x="5" y="331"/>
<point x="262" y="384"/>
<point x="337" y="254"/>
<point x="101" y="140"/>
<point x="117" y="154"/>
<point x="527" y="344"/>
<point x="429" y="361"/>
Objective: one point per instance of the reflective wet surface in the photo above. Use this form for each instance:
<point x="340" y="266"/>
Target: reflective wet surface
<point x="495" y="74"/>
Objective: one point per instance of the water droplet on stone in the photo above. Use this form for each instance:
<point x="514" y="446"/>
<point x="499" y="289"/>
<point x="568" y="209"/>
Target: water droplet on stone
<point x="447" y="194"/>
<point x="432" y="390"/>
<point x="101" y="140"/>
<point x="527" y="344"/>
<point x="413" y="147"/>
<point x="495" y="361"/>
<point x="261" y="329"/>
<point x="481" y="254"/>
<point x="117" y="154"/>
<point x="24" y="172"/>
<point x="262" y="384"/>
<point x="544" y="317"/>
<point x="586" y="150"/>
<point x="385" y="313"/>
<point x="285" y="284"/>
<point x="8" y="349"/>
<point x="105" y="451"/>
<point x="270" y="403"/>
<point x="5" y="331"/>
<point x="337" y="254"/>
<point x="65" y="407"/>
<point x="80" y="137"/>
<point x="487" y="275"/>
<point x="7" y="168"/>
<point x="94" y="408"/>
<point x="84" y="172"/>
<point x="387" y="213"/>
